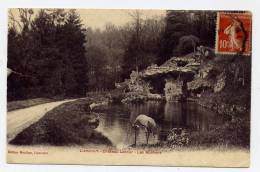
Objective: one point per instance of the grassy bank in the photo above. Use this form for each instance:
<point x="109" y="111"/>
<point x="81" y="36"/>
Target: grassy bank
<point x="232" y="133"/>
<point x="20" y="104"/>
<point x="233" y="103"/>
<point x="66" y="124"/>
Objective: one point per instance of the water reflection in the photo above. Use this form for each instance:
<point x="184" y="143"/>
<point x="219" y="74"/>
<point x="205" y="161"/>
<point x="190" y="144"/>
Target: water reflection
<point x="117" y="124"/>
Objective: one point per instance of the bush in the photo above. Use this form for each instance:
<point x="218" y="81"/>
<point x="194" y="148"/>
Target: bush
<point x="178" y="137"/>
<point x="235" y="132"/>
<point x="134" y="97"/>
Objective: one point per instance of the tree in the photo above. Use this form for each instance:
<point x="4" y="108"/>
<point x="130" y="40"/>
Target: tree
<point x="187" y="44"/>
<point x="143" y="44"/>
<point x="200" y="24"/>
<point x="136" y="37"/>
<point x="74" y="39"/>
<point x="14" y="86"/>
<point x="51" y="50"/>
<point x="96" y="67"/>
<point x="25" y="19"/>
<point x="105" y="50"/>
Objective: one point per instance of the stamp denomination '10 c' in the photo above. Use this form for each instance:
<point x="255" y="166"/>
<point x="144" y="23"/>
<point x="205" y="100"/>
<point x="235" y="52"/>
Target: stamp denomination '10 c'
<point x="233" y="34"/>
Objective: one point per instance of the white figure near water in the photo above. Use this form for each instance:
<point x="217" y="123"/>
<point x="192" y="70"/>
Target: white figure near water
<point x="146" y="122"/>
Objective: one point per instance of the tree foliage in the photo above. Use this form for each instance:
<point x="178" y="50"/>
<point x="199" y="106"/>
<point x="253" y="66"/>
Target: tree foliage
<point x="143" y="44"/>
<point x="104" y="55"/>
<point x="112" y="53"/>
<point x="180" y="24"/>
<point x="58" y="57"/>
<point x="50" y="49"/>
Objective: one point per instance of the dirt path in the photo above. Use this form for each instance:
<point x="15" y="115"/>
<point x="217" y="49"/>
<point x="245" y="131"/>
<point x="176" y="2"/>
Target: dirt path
<point x="18" y="120"/>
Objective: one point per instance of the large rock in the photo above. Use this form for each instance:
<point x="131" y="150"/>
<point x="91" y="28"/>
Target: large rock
<point x="186" y="66"/>
<point x="173" y="90"/>
<point x="220" y="83"/>
<point x="137" y="84"/>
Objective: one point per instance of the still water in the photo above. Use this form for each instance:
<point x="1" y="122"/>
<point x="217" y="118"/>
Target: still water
<point x="116" y="120"/>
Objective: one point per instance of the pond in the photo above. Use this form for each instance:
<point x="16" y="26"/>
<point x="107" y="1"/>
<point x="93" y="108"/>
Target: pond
<point x="116" y="120"/>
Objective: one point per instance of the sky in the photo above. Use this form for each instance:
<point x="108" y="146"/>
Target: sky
<point x="98" y="18"/>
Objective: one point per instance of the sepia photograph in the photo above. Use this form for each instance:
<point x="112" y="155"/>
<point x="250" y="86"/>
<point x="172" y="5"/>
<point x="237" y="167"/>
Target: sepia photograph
<point x="129" y="87"/>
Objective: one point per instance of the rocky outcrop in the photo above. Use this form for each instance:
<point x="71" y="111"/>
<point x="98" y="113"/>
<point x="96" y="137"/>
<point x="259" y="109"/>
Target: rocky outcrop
<point x="199" y="85"/>
<point x="173" y="90"/>
<point x="180" y="77"/>
<point x="137" y="89"/>
<point x="176" y="67"/>
<point x="220" y="83"/>
<point x="176" y="73"/>
<point x="137" y="84"/>
<point x="152" y="96"/>
<point x="134" y="97"/>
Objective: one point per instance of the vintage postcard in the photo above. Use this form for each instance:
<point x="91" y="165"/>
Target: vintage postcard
<point x="129" y="87"/>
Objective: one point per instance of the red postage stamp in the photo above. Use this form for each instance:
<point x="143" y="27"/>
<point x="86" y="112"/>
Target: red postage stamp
<point x="233" y="33"/>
